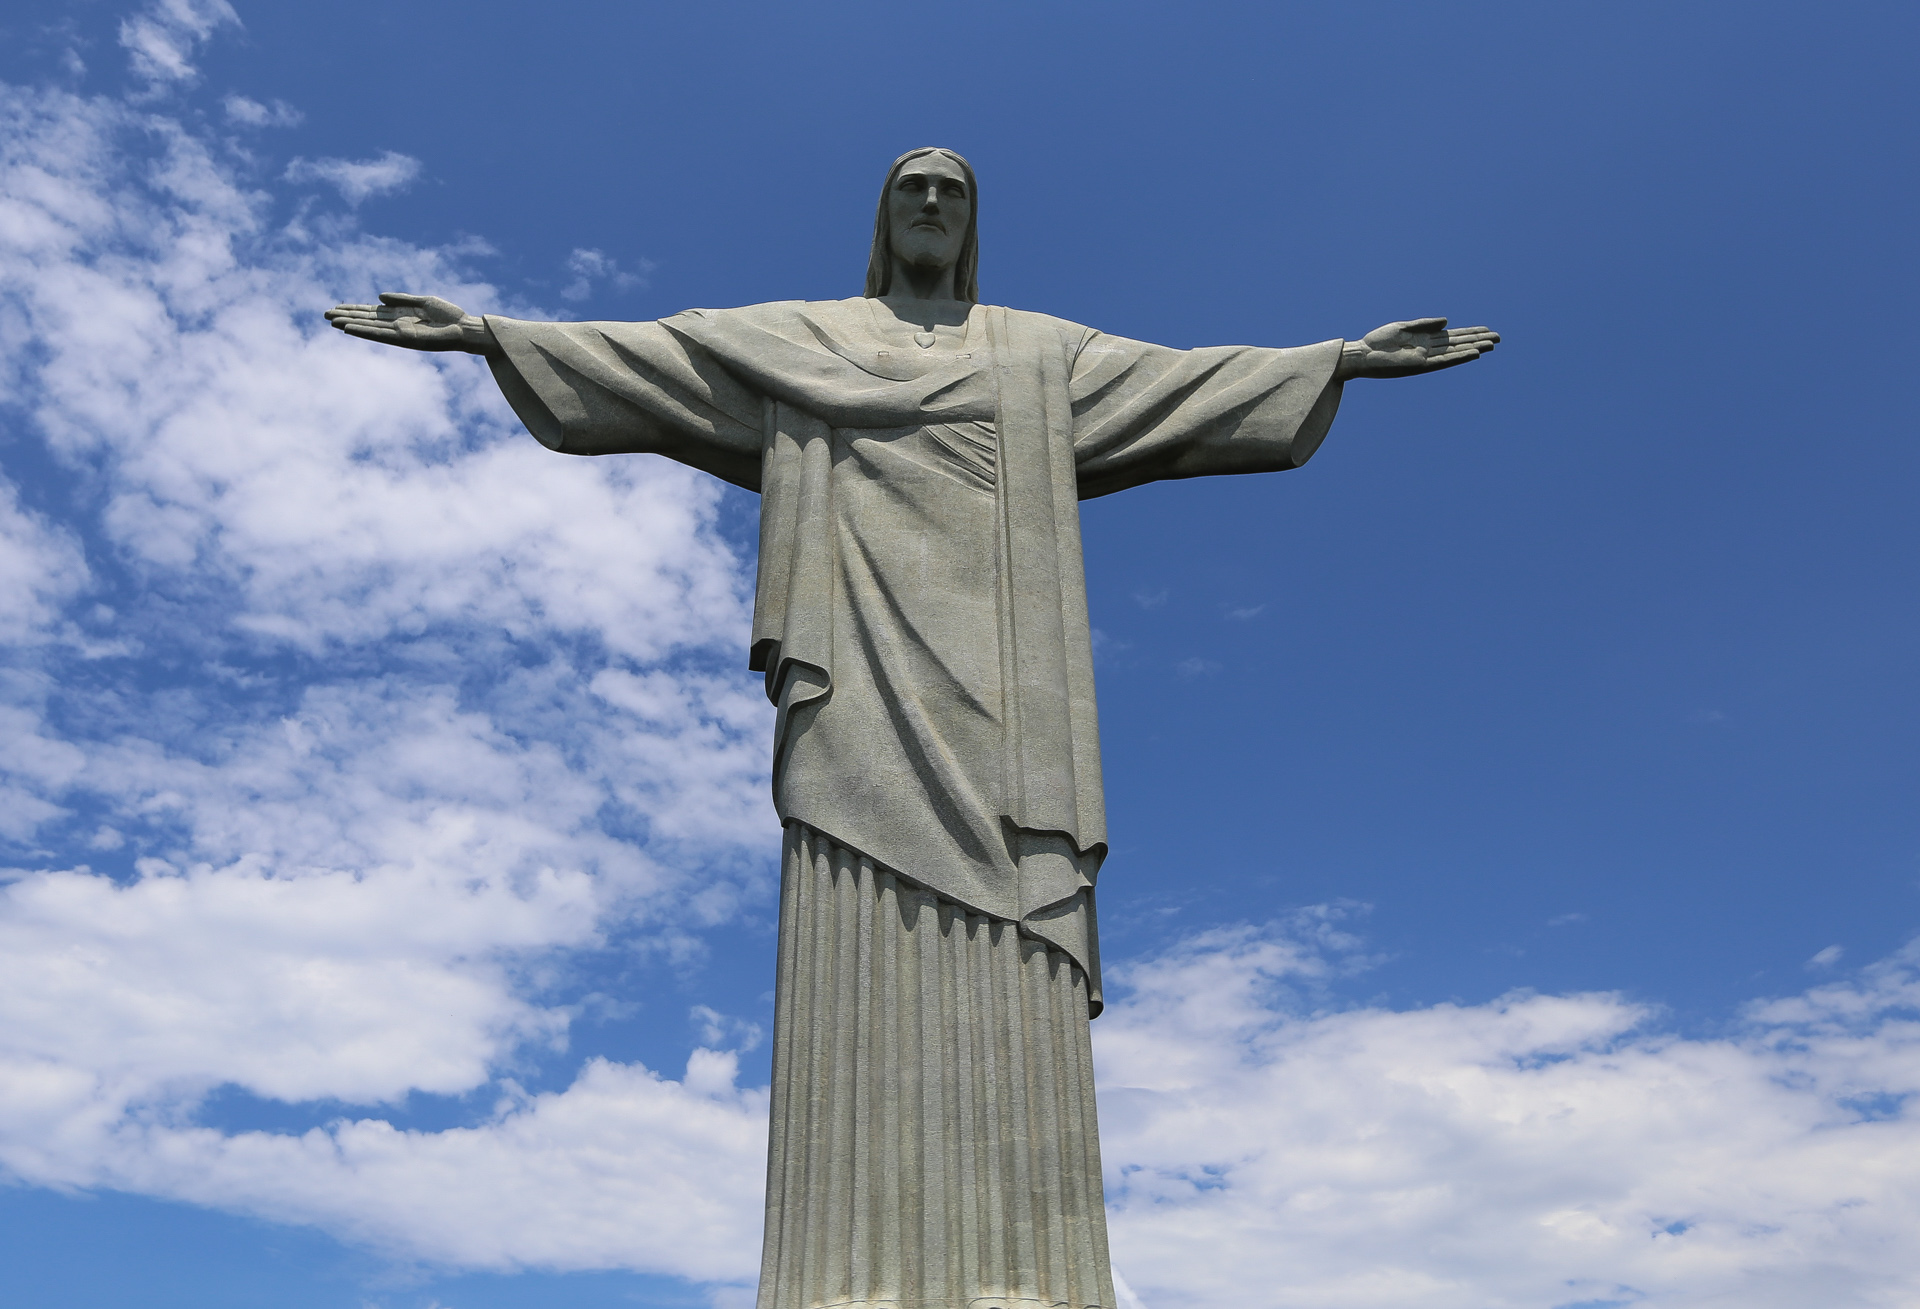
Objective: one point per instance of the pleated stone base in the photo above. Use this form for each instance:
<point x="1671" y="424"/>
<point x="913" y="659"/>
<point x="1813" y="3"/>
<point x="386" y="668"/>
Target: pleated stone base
<point x="933" y="1139"/>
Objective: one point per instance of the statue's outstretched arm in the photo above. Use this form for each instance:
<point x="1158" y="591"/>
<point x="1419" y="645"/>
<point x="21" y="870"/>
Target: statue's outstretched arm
<point x="1423" y="345"/>
<point x="416" y="322"/>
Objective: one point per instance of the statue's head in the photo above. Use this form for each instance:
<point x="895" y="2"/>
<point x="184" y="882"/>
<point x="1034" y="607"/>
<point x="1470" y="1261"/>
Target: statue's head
<point x="927" y="219"/>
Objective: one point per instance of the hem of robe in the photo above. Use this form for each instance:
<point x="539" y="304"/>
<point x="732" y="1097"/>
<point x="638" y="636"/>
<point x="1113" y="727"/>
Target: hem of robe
<point x="979" y="1302"/>
<point x="1083" y="948"/>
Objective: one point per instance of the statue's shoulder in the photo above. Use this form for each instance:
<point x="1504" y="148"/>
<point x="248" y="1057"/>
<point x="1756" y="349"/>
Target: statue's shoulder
<point x="782" y="317"/>
<point x="770" y="312"/>
<point x="1031" y="324"/>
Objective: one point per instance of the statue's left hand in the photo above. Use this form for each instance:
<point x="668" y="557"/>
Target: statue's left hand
<point x="415" y="322"/>
<point x="1420" y="346"/>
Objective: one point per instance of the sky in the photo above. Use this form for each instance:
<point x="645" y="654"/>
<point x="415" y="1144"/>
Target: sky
<point x="1515" y="890"/>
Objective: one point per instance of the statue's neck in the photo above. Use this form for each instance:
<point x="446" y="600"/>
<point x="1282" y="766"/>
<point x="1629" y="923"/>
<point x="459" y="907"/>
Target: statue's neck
<point x="917" y="312"/>
<point x="915" y="282"/>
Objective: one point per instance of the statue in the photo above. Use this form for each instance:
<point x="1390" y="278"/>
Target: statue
<point x="921" y="620"/>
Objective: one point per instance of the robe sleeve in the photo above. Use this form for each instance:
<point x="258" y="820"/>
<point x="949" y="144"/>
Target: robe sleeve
<point x="629" y="388"/>
<point x="1146" y="413"/>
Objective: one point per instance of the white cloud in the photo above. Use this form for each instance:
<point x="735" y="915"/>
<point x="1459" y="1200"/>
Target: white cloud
<point x="41" y="568"/>
<point x="590" y="266"/>
<point x="1533" y="1151"/>
<point x="161" y="38"/>
<point x="381" y="712"/>
<point x="247" y="112"/>
<point x="357" y="179"/>
<point x="720" y="1031"/>
<point x="345" y="493"/>
<point x="35" y="764"/>
<point x="1826" y="958"/>
<point x="623" y="1169"/>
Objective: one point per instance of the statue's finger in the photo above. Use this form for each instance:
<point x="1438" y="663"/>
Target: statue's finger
<point x="1425" y="325"/>
<point x="370" y="331"/>
<point x="402" y="298"/>
<point x="346" y="309"/>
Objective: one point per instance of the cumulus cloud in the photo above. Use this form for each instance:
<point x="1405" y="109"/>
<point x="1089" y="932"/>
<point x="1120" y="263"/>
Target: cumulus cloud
<point x="377" y="712"/>
<point x="1533" y="1151"/>
<point x="357" y="179"/>
<point x="623" y="1169"/>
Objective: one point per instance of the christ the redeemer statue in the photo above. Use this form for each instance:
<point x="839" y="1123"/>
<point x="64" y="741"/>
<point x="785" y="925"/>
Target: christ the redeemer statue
<point x="921" y="618"/>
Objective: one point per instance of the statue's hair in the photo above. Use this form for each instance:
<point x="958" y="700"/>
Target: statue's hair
<point x="966" y="269"/>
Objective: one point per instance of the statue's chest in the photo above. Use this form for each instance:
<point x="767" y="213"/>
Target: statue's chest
<point x="912" y="363"/>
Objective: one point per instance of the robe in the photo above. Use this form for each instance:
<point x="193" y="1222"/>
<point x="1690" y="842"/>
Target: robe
<point x="920" y="612"/>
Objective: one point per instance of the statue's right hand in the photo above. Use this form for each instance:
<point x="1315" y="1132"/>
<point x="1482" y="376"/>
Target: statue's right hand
<point x="417" y="322"/>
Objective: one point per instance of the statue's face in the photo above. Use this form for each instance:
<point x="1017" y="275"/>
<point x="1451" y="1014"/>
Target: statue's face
<point x="928" y="210"/>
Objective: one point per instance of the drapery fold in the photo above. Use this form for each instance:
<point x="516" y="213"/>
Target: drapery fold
<point x="880" y="695"/>
<point x="933" y="1138"/>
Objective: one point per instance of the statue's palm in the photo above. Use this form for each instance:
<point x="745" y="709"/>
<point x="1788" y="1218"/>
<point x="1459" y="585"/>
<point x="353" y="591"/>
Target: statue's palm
<point x="1418" y="346"/>
<point x="417" y="322"/>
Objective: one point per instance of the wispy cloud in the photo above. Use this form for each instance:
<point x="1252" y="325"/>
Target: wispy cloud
<point x="41" y="568"/>
<point x="162" y="37"/>
<point x="718" y="1031"/>
<point x="246" y="112"/>
<point x="593" y="266"/>
<point x="358" y="179"/>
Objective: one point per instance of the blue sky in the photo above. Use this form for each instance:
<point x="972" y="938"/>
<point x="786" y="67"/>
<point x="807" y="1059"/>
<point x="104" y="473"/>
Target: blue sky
<point x="1516" y="866"/>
